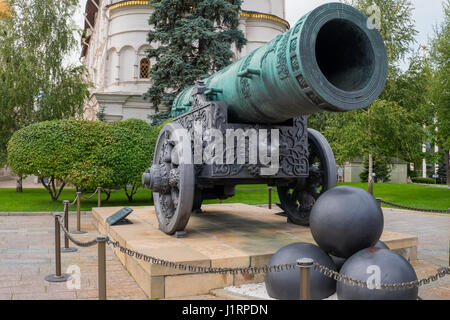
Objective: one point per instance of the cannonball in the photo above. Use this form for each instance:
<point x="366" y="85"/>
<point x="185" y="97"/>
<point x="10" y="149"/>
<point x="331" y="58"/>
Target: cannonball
<point x="345" y="220"/>
<point x="377" y="266"/>
<point x="338" y="262"/>
<point x="285" y="285"/>
<point x="380" y="244"/>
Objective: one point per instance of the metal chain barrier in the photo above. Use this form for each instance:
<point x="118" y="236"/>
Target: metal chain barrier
<point x="302" y="264"/>
<point x="201" y="269"/>
<point x="92" y="195"/>
<point x="270" y="268"/>
<point x="412" y="208"/>
<point x="75" y="241"/>
<point x="442" y="272"/>
<point x="73" y="202"/>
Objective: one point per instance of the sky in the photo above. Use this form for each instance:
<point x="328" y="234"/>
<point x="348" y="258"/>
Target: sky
<point x="427" y="13"/>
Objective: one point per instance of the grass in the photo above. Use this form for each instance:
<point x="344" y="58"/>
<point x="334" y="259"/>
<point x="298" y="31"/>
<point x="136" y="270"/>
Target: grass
<point x="39" y="200"/>
<point x="412" y="195"/>
<point x="418" y="196"/>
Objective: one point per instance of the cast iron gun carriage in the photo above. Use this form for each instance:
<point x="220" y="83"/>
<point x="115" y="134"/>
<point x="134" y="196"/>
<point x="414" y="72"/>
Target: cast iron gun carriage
<point x="329" y="61"/>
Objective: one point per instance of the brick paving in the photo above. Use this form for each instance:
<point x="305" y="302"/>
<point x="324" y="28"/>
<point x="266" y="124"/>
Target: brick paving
<point x="433" y="231"/>
<point x="27" y="256"/>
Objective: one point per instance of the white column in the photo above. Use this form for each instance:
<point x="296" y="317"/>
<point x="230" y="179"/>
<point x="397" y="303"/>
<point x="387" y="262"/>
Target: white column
<point x="424" y="162"/>
<point x="436" y="147"/>
<point x="116" y="76"/>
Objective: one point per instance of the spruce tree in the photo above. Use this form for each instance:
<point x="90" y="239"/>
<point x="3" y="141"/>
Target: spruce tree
<point x="190" y="40"/>
<point x="381" y="169"/>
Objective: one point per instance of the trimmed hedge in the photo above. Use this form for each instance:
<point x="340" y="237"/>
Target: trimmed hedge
<point x="86" y="154"/>
<point x="423" y="180"/>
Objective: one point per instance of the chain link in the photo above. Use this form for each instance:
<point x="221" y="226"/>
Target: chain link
<point x="442" y="272"/>
<point x="201" y="269"/>
<point x="273" y="268"/>
<point x="77" y="242"/>
<point x="92" y="195"/>
<point x="73" y="202"/>
<point x="412" y="208"/>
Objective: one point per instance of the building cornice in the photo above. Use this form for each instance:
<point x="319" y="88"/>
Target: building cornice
<point x="265" y="16"/>
<point x="247" y="14"/>
<point x="127" y="3"/>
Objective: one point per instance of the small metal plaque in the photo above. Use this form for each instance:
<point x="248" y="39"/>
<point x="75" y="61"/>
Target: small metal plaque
<point x="119" y="215"/>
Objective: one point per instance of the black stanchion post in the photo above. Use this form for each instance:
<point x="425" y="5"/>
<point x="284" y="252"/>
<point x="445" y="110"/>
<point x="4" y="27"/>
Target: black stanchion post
<point x="99" y="197"/>
<point x="270" y="197"/>
<point x="66" y="248"/>
<point x="101" y="240"/>
<point x="58" y="276"/>
<point x="78" y="231"/>
<point x="305" y="265"/>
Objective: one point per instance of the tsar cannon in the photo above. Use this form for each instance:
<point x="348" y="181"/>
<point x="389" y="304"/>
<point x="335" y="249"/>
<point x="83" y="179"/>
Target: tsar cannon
<point x="247" y="124"/>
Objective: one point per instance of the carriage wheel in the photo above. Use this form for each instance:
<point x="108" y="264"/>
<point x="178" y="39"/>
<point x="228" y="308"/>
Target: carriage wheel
<point x="172" y="181"/>
<point x="298" y="198"/>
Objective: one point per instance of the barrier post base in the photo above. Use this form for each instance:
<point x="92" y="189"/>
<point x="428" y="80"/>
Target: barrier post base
<point x="55" y="278"/>
<point x="67" y="250"/>
<point x="78" y="232"/>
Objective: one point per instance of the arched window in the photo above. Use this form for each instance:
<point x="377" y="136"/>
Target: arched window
<point x="144" y="68"/>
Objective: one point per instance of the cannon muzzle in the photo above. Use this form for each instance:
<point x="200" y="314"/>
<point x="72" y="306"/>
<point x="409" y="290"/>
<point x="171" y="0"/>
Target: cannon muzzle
<point x="331" y="60"/>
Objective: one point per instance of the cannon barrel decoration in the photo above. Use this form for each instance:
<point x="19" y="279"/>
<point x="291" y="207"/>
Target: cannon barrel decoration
<point x="329" y="61"/>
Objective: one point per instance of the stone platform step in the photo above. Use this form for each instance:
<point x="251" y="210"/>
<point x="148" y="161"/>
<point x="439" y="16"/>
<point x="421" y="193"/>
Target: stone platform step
<point x="224" y="235"/>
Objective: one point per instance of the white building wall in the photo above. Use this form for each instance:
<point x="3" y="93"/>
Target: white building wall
<point x="119" y="41"/>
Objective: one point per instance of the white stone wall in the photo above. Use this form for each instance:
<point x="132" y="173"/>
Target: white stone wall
<point x="354" y="169"/>
<point x="119" y="42"/>
<point x="275" y="7"/>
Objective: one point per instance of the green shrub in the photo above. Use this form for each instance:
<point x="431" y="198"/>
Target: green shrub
<point x="45" y="149"/>
<point x="86" y="154"/>
<point x="130" y="150"/>
<point x="423" y="180"/>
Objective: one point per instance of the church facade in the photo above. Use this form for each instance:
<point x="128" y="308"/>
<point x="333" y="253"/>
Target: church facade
<point x="115" y="42"/>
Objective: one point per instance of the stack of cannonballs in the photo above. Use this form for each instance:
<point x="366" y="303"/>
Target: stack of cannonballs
<point x="346" y="222"/>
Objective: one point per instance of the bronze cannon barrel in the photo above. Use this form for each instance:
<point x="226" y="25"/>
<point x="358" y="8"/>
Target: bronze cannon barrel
<point x="331" y="60"/>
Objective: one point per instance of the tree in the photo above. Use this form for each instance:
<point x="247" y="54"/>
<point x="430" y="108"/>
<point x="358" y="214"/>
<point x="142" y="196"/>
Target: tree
<point x="86" y="154"/>
<point x="392" y="132"/>
<point x="381" y="168"/>
<point x="440" y="84"/>
<point x="35" y="82"/>
<point x="48" y="150"/>
<point x="194" y="39"/>
<point x="129" y="149"/>
<point x="396" y="22"/>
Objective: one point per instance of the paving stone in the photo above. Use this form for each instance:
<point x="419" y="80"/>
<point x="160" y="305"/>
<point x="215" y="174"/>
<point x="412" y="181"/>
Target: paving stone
<point x="27" y="252"/>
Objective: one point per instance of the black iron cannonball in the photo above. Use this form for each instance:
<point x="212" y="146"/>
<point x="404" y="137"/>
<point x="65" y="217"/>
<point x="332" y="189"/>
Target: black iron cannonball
<point x="345" y="220"/>
<point x="339" y="262"/>
<point x="377" y="266"/>
<point x="380" y="244"/>
<point x="285" y="285"/>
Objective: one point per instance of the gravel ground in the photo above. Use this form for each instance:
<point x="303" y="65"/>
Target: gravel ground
<point x="258" y="290"/>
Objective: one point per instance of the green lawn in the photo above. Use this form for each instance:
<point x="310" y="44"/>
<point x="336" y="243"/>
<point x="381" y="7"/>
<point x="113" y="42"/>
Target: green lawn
<point x="38" y="199"/>
<point x="417" y="196"/>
